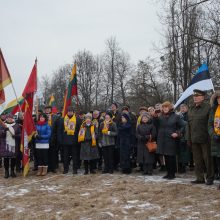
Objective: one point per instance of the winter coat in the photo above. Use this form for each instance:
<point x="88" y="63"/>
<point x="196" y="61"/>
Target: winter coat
<point x="168" y="124"/>
<point x="215" y="144"/>
<point x="68" y="140"/>
<point x="17" y="137"/>
<point x="89" y="152"/>
<point x="144" y="130"/>
<point x="44" y="134"/>
<point x="197" y="130"/>
<point x="107" y="139"/>
<point x="54" y="130"/>
<point x="125" y="137"/>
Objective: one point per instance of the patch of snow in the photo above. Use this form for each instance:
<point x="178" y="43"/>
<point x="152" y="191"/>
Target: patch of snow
<point x="48" y="210"/>
<point x="49" y="188"/>
<point x="186" y="208"/>
<point x="115" y="200"/>
<point x="133" y="201"/>
<point x="85" y="194"/>
<point x="14" y="193"/>
<point x="108" y="213"/>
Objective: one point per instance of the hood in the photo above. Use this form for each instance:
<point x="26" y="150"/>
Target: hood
<point x="213" y="100"/>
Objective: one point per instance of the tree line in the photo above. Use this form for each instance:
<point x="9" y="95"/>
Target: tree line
<point x="190" y="37"/>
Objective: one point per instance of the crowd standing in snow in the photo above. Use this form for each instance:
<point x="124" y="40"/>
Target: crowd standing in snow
<point x="116" y="140"/>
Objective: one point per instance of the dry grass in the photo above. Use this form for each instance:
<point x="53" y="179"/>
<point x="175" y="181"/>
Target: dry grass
<point x="106" y="197"/>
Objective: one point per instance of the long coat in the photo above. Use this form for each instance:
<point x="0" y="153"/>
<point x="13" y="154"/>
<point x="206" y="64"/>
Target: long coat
<point x="215" y="144"/>
<point x="89" y="152"/>
<point x="144" y="130"/>
<point x="3" y="149"/>
<point x="168" y="124"/>
<point x="125" y="137"/>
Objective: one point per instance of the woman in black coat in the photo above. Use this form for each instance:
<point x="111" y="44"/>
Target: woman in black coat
<point x="145" y="131"/>
<point x="169" y="129"/>
<point x="124" y="134"/>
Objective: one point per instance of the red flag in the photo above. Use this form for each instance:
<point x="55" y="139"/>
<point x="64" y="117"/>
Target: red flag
<point x="71" y="91"/>
<point x="2" y="96"/>
<point x="28" y="130"/>
<point x="31" y="87"/>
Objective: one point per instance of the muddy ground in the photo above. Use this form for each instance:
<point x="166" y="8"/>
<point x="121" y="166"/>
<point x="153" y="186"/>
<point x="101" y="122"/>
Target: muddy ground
<point x="106" y="196"/>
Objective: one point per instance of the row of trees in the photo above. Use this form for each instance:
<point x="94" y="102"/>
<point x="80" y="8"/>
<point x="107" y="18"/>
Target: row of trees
<point x="191" y="37"/>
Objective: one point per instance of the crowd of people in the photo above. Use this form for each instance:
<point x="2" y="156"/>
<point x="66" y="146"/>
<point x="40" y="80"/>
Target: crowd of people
<point x="116" y="140"/>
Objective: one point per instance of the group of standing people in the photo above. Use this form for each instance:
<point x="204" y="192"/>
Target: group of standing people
<point x="112" y="140"/>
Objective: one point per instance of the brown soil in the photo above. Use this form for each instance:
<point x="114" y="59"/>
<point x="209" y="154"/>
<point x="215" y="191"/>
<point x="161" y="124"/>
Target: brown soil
<point x="99" y="196"/>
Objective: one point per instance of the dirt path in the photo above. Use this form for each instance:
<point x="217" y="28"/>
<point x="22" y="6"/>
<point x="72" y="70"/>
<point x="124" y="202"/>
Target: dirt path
<point x="106" y="197"/>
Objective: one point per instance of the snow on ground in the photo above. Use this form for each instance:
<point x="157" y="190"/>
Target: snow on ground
<point x="98" y="196"/>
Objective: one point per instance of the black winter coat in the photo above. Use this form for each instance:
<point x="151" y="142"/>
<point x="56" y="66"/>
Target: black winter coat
<point x="144" y="130"/>
<point x="124" y="134"/>
<point x="167" y="125"/>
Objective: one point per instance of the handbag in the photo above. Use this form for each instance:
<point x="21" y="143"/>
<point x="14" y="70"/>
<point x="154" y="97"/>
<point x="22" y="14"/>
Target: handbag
<point x="151" y="145"/>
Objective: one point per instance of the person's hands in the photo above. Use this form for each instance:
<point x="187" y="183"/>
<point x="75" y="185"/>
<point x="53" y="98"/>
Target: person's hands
<point x="174" y="135"/>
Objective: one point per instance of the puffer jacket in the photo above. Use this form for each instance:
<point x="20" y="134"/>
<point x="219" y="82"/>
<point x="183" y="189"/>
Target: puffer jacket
<point x="44" y="134"/>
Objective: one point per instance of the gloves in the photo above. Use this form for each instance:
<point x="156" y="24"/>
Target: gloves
<point x="38" y="137"/>
<point x="216" y="137"/>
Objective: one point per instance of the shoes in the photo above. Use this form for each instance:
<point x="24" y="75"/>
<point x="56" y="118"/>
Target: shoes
<point x="39" y="171"/>
<point x="92" y="172"/>
<point x="198" y="181"/>
<point x="44" y="172"/>
<point x="65" y="171"/>
<point x="166" y="176"/>
<point x="111" y="172"/>
<point x="86" y="173"/>
<point x="104" y="171"/>
<point x="6" y="174"/>
<point x="171" y="177"/>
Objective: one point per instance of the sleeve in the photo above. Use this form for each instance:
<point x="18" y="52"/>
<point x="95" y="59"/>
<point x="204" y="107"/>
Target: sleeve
<point x="47" y="133"/>
<point x="114" y="131"/>
<point x="211" y="124"/>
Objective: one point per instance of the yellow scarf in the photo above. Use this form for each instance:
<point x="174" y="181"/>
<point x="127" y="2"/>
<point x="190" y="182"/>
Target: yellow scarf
<point x="217" y="121"/>
<point x="70" y="125"/>
<point x="95" y="122"/>
<point x="82" y="134"/>
<point x="106" y="127"/>
<point x="50" y="120"/>
<point x="139" y="120"/>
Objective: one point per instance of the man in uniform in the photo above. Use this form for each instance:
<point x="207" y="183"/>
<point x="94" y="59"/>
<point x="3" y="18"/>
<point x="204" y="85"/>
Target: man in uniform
<point x="198" y="138"/>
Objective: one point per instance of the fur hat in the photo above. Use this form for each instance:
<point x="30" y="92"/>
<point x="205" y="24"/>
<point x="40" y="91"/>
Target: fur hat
<point x="168" y="104"/>
<point x="213" y="99"/>
<point x="143" y="108"/>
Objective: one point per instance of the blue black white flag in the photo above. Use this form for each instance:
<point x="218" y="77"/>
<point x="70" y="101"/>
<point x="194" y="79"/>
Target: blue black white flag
<point x="201" y="81"/>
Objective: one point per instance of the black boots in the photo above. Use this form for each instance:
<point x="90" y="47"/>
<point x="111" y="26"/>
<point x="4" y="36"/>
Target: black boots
<point x="6" y="174"/>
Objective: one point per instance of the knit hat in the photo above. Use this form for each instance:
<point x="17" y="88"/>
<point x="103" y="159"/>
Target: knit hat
<point x="146" y="115"/>
<point x="88" y="115"/>
<point x="126" y="116"/>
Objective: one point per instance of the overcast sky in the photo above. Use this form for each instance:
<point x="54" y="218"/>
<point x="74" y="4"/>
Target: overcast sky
<point x="54" y="30"/>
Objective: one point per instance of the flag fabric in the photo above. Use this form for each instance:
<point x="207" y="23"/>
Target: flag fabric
<point x="31" y="87"/>
<point x="28" y="130"/>
<point x="13" y="106"/>
<point x="2" y="96"/>
<point x="5" y="78"/>
<point x="201" y="81"/>
<point x="52" y="104"/>
<point x="71" y="90"/>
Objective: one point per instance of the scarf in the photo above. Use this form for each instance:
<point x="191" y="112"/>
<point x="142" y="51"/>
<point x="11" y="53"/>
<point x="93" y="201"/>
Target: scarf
<point x="217" y="121"/>
<point x="41" y="123"/>
<point x="49" y="119"/>
<point x="82" y="134"/>
<point x="10" y="141"/>
<point x="70" y="124"/>
<point x="95" y="122"/>
<point x="138" y="121"/>
<point x="106" y="126"/>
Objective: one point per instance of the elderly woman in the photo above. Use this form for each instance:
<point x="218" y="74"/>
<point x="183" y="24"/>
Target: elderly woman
<point x="145" y="131"/>
<point x="169" y="127"/>
<point x="87" y="137"/>
<point x="214" y="129"/>
<point x="10" y="136"/>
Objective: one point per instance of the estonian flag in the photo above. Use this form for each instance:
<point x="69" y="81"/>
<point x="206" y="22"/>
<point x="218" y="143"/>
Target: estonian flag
<point x="201" y="81"/>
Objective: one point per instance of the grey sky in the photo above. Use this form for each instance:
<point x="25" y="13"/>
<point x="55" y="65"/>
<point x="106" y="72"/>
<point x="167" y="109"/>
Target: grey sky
<point x="54" y="30"/>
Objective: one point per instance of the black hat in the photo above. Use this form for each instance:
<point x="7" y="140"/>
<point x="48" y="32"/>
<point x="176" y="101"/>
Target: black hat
<point x="199" y="92"/>
<point x="70" y="109"/>
<point x="48" y="106"/>
<point x="109" y="113"/>
<point x="126" y="116"/>
<point x="114" y="103"/>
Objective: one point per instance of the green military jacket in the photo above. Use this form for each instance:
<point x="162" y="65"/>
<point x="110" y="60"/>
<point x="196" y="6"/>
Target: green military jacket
<point x="197" y="127"/>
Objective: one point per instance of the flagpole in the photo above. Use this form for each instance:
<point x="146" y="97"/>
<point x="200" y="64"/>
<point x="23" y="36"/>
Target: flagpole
<point x="12" y="84"/>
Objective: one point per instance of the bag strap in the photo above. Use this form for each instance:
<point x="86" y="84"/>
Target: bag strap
<point x="150" y="138"/>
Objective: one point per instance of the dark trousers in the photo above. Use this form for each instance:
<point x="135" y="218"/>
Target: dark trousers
<point x="170" y="162"/>
<point x="108" y="155"/>
<point x="42" y="157"/>
<point x="6" y="163"/>
<point x="53" y="158"/>
<point x="70" y="151"/>
<point x="217" y="162"/>
<point x="89" y="165"/>
<point x="148" y="168"/>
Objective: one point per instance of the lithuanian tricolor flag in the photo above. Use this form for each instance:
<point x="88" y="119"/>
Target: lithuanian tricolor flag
<point x="52" y="104"/>
<point x="71" y="91"/>
<point x="13" y="107"/>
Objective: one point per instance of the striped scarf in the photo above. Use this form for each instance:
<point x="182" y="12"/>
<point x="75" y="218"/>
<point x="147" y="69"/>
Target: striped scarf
<point x="217" y="121"/>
